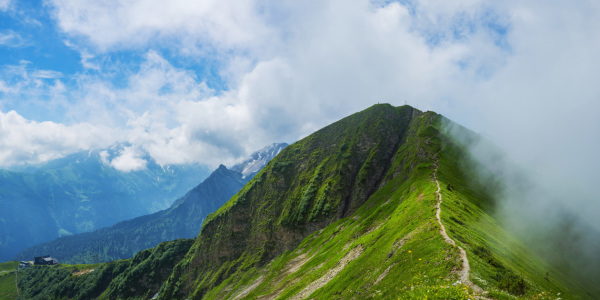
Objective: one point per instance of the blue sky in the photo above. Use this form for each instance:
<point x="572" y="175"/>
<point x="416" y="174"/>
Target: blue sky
<point x="31" y="42"/>
<point x="211" y="81"/>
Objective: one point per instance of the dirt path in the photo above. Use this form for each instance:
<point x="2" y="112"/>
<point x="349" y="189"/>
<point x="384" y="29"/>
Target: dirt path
<point x="463" y="274"/>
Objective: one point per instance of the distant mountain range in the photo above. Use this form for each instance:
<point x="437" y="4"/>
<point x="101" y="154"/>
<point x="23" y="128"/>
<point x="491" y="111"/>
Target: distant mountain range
<point x="82" y="192"/>
<point x="182" y="220"/>
<point x="388" y="203"/>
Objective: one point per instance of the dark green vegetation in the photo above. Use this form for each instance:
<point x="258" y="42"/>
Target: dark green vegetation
<point x="182" y="220"/>
<point x="80" y="193"/>
<point x="271" y="214"/>
<point x="138" y="277"/>
<point x="349" y="212"/>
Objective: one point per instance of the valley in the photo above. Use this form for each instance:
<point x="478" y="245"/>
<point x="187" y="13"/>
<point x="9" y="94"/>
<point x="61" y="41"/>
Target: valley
<point x="182" y="219"/>
<point x="81" y="193"/>
<point x="382" y="204"/>
<point x="275" y="150"/>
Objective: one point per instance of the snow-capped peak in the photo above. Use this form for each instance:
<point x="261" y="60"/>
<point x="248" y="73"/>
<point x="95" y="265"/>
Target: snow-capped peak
<point x="258" y="159"/>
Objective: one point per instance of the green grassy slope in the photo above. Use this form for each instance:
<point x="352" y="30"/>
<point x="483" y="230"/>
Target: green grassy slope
<point x="320" y="179"/>
<point x="367" y="253"/>
<point x="389" y="246"/>
<point x="349" y="213"/>
<point x="500" y="263"/>
<point x="498" y="259"/>
<point x="8" y="266"/>
<point x="8" y="289"/>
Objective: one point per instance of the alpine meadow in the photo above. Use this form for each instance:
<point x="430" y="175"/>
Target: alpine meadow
<point x="354" y="210"/>
<point x="314" y="149"/>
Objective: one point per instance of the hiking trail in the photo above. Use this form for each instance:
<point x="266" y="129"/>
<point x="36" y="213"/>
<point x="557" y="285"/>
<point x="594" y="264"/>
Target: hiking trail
<point x="463" y="274"/>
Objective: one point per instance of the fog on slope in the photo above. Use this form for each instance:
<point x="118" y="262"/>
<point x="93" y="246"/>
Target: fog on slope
<point x="524" y="72"/>
<point x="554" y="214"/>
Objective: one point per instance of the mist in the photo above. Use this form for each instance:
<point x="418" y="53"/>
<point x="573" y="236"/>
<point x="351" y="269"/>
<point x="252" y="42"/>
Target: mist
<point x="554" y="215"/>
<point x="524" y="74"/>
<point x="541" y="108"/>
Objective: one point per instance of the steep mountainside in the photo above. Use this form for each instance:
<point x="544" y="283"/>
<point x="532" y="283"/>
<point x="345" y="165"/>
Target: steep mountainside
<point x="350" y="211"/>
<point x="80" y="193"/>
<point x="384" y="204"/>
<point x="182" y="220"/>
<point x="312" y="183"/>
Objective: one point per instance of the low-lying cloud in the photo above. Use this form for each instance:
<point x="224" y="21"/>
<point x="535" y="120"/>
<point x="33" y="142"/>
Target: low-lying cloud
<point x="25" y="141"/>
<point x="521" y="72"/>
<point x="129" y="159"/>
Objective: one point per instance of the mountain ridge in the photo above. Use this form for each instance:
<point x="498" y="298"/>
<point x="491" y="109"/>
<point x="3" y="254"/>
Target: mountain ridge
<point x="380" y="222"/>
<point x="80" y="193"/>
<point x="182" y="219"/>
<point x="350" y="212"/>
<point x="349" y="159"/>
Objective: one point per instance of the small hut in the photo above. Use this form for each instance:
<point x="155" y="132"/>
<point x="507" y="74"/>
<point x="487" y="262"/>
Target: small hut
<point x="45" y="260"/>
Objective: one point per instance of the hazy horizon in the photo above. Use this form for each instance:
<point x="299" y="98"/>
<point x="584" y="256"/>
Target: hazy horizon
<point x="210" y="82"/>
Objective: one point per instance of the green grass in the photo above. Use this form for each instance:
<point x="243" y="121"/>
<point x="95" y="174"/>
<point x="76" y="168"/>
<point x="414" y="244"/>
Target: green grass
<point x="138" y="277"/>
<point x="310" y="184"/>
<point x="8" y="266"/>
<point x="498" y="260"/>
<point x="396" y="233"/>
<point x="8" y="289"/>
<point x="278" y="238"/>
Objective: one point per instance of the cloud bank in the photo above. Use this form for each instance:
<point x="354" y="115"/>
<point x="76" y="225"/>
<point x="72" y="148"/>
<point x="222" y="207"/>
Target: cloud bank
<point x="521" y="72"/>
<point x="31" y="142"/>
<point x="212" y="81"/>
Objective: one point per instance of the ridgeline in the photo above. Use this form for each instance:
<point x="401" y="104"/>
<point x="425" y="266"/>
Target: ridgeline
<point x="350" y="212"/>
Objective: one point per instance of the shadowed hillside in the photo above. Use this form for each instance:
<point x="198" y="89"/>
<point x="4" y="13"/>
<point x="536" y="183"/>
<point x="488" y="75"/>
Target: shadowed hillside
<point x="182" y="220"/>
<point x="355" y="211"/>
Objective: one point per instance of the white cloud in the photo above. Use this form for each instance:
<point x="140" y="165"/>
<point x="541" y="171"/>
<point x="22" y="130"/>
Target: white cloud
<point x="293" y="67"/>
<point x="4" y="5"/>
<point x="104" y="157"/>
<point x="129" y="159"/>
<point x="10" y="38"/>
<point x="46" y="74"/>
<point x="192" y="25"/>
<point x="25" y="141"/>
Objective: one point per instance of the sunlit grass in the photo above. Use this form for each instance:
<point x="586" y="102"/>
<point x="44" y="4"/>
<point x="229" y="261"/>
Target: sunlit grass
<point x="8" y="288"/>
